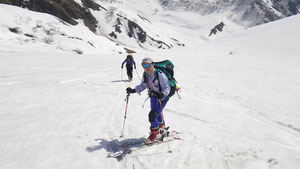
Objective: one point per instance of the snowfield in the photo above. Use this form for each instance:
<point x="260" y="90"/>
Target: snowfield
<point x="239" y="106"/>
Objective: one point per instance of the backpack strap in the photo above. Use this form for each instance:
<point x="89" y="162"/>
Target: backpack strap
<point x="157" y="77"/>
<point x="145" y="77"/>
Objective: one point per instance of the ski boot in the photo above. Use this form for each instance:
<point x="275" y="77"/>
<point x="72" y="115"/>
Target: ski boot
<point x="153" y="136"/>
<point x="163" y="131"/>
<point x="161" y="128"/>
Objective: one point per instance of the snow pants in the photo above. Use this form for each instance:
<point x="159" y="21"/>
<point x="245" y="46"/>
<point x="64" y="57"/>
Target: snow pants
<point x="155" y="116"/>
<point x="129" y="71"/>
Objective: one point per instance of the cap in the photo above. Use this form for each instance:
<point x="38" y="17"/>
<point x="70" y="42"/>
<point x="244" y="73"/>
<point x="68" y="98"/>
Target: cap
<point x="147" y="60"/>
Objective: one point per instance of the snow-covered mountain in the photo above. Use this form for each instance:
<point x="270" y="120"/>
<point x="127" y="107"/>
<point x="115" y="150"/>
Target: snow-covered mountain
<point x="135" y="25"/>
<point x="246" y="12"/>
<point x="113" y="33"/>
<point x="107" y="21"/>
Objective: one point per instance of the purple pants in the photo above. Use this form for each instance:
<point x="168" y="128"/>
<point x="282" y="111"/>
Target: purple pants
<point x="155" y="116"/>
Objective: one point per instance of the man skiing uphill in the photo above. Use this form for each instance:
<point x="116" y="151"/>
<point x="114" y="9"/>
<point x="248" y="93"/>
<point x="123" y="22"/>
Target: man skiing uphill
<point x="158" y="90"/>
<point x="129" y="66"/>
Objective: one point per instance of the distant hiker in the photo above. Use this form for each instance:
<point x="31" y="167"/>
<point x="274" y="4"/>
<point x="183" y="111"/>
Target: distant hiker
<point x="129" y="66"/>
<point x="158" y="90"/>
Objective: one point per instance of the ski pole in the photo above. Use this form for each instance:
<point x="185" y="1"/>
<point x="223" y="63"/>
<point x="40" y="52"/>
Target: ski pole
<point x="145" y="101"/>
<point x="122" y="74"/>
<point x="137" y="74"/>
<point x="127" y="99"/>
<point x="177" y="89"/>
<point x="162" y="114"/>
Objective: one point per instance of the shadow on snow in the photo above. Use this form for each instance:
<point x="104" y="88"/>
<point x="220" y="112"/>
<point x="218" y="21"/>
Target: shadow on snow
<point x="114" y="145"/>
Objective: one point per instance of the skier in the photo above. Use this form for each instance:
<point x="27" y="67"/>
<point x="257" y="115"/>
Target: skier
<point x="129" y="64"/>
<point x="158" y="90"/>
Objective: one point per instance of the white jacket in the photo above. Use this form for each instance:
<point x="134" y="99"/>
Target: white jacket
<point x="153" y="83"/>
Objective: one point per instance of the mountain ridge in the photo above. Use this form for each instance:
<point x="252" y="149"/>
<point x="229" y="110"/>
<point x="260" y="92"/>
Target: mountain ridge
<point x="146" y="25"/>
<point x="250" y="12"/>
<point x="70" y="11"/>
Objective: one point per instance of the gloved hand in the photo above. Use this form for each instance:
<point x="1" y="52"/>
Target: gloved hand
<point x="130" y="90"/>
<point x="134" y="67"/>
<point x="157" y="95"/>
<point x="121" y="67"/>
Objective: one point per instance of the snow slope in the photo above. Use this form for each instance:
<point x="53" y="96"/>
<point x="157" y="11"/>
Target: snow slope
<point x="239" y="107"/>
<point x="44" y="31"/>
<point x="176" y="29"/>
<point x="165" y="24"/>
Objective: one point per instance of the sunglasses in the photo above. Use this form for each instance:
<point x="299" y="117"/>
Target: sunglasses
<point x="146" y="65"/>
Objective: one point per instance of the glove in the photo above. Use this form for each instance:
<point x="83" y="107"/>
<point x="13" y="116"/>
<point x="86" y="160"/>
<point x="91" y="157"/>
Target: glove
<point x="134" y="67"/>
<point x="130" y="90"/>
<point x="157" y="95"/>
<point x="121" y="67"/>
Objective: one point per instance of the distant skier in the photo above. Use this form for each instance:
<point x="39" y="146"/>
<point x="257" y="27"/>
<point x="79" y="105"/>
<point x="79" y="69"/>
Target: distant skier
<point x="158" y="90"/>
<point x="129" y="66"/>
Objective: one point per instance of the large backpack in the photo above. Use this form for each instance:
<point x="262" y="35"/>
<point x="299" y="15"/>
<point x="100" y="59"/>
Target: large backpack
<point x="167" y="68"/>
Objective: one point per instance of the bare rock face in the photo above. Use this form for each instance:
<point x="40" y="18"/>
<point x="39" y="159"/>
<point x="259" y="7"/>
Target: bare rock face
<point x="136" y="29"/>
<point x="217" y="28"/>
<point x="66" y="10"/>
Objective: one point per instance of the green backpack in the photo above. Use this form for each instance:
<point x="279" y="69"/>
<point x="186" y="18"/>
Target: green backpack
<point x="167" y="68"/>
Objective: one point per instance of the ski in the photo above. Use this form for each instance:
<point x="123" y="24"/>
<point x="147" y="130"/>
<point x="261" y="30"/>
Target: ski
<point x="132" y="145"/>
<point x="127" y="149"/>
